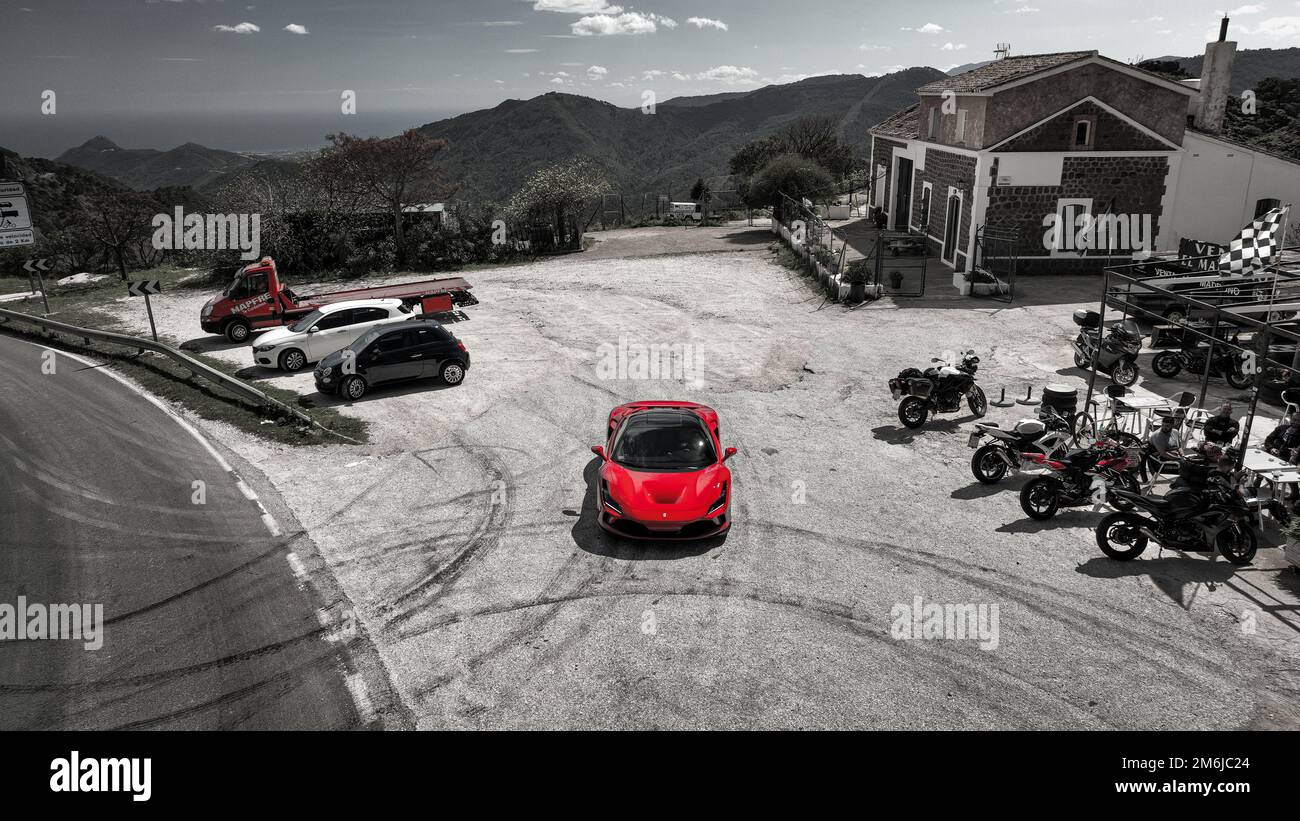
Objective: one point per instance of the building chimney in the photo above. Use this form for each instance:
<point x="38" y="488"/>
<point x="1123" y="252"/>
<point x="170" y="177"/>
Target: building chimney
<point x="1216" y="81"/>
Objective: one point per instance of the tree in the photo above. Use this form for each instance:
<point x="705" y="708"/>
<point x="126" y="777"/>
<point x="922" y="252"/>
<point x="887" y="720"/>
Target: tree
<point x="558" y="192"/>
<point x="817" y="138"/>
<point x="120" y="222"/>
<point x="700" y="191"/>
<point x="793" y="175"/>
<point x="388" y="173"/>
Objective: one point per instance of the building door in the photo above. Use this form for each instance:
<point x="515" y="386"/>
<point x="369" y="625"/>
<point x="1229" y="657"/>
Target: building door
<point x="902" y="195"/>
<point x="951" y="227"/>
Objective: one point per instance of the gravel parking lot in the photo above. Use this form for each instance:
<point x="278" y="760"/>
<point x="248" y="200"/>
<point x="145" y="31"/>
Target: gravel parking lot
<point x="464" y="533"/>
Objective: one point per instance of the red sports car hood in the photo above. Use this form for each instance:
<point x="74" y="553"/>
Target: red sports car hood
<point x="665" y="497"/>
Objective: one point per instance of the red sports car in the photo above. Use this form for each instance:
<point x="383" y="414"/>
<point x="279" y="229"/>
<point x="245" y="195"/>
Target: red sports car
<point x="662" y="474"/>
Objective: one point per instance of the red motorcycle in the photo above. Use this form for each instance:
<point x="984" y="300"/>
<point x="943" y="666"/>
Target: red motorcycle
<point x="1081" y="477"/>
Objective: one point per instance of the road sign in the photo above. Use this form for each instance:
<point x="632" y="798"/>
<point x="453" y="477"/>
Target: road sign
<point x="31" y="266"/>
<point x="15" y="216"/>
<point x="144" y="287"/>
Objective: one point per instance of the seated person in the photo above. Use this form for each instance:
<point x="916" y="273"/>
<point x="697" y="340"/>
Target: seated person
<point x="1284" y="441"/>
<point x="1166" y="443"/>
<point x="1221" y="429"/>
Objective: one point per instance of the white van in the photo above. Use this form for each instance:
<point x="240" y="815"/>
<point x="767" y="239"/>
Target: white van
<point x="685" y="211"/>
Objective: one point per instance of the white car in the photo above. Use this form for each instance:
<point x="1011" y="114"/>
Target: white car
<point x="326" y="330"/>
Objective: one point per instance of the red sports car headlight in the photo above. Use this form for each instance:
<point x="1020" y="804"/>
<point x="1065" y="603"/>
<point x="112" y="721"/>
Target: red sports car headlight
<point x="721" y="500"/>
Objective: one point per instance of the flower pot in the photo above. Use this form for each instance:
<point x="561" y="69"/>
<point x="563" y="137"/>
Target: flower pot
<point x="857" y="292"/>
<point x="895" y="279"/>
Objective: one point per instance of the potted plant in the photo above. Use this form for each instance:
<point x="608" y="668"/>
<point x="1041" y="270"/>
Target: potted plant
<point x="857" y="276"/>
<point x="896" y="279"/>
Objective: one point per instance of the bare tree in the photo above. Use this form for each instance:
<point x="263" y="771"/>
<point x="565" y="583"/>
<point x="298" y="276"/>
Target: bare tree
<point x="118" y="222"/>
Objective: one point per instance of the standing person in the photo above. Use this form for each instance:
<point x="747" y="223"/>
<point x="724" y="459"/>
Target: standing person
<point x="1221" y="429"/>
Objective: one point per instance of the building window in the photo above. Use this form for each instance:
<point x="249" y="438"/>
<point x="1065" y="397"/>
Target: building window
<point x="924" y="225"/>
<point x="1262" y="207"/>
<point x="1084" y="134"/>
<point x="934" y="120"/>
<point x="961" y="126"/>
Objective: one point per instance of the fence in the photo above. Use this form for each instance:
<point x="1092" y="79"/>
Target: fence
<point x="197" y="368"/>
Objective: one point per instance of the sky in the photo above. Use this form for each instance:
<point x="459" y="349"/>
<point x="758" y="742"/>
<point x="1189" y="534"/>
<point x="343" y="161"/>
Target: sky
<point x="244" y="71"/>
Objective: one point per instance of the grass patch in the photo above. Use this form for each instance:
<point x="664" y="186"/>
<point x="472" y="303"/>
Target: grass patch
<point x="172" y="381"/>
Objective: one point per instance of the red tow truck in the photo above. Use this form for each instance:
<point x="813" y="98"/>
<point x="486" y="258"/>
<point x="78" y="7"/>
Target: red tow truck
<point x="257" y="299"/>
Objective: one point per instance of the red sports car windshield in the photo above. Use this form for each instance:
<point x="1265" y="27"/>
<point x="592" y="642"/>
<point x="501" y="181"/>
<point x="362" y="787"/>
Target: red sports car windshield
<point x="664" y="441"/>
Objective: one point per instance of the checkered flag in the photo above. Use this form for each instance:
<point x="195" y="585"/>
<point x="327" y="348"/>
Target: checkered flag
<point x="1256" y="246"/>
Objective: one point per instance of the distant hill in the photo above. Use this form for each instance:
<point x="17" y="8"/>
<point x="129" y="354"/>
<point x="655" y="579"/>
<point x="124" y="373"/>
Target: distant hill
<point x="491" y="152"/>
<point x="1250" y="66"/>
<point x="953" y="72"/>
<point x="145" y="169"/>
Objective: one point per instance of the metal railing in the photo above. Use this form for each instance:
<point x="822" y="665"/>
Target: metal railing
<point x="235" y="386"/>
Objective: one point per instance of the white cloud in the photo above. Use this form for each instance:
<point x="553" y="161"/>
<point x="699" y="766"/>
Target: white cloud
<point x="705" y="22"/>
<point x="596" y="72"/>
<point x="1027" y="10"/>
<point x="868" y="47"/>
<point x="652" y="74"/>
<point x="242" y="28"/>
<point x="295" y="28"/>
<point x="1247" y="9"/>
<point x="1279" y="28"/>
<point x="521" y="51"/>
<point x="728" y="75"/>
<point x="632" y="22"/>
<point x="928" y="28"/>
<point x="576" y="6"/>
<point x="953" y="46"/>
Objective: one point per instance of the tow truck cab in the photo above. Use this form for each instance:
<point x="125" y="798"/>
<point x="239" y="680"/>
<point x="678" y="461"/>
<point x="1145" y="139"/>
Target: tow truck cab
<point x="257" y="299"/>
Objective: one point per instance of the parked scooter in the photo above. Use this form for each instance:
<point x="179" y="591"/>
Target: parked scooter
<point x="1227" y="362"/>
<point x="999" y="451"/>
<point x="1119" y="349"/>
<point x="939" y="389"/>
<point x="1082" y="477"/>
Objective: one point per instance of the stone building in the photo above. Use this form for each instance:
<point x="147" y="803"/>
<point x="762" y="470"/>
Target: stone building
<point x="1077" y="156"/>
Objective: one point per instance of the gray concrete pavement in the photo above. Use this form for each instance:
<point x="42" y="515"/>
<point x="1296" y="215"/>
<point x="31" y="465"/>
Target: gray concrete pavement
<point x="464" y="532"/>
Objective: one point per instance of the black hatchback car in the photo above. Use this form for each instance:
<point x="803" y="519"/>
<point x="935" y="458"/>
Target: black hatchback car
<point x="419" y="349"/>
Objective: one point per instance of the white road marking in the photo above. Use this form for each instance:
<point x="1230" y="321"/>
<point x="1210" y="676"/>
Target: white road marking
<point x="296" y="565"/>
<point x="360" y="697"/>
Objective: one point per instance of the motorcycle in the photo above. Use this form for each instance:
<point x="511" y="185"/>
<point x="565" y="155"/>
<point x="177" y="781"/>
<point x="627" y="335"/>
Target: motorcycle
<point x="1230" y="364"/>
<point x="1188" y="519"/>
<point x="939" y="389"/>
<point x="1116" y="353"/>
<point x="999" y="451"/>
<point x="1089" y="475"/>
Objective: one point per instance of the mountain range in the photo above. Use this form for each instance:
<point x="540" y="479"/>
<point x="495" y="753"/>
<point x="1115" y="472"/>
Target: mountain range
<point x="660" y="151"/>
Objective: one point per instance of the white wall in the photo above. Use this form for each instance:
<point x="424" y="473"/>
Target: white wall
<point x="1219" y="184"/>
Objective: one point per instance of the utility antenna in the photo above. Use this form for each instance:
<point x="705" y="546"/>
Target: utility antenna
<point x="1002" y="51"/>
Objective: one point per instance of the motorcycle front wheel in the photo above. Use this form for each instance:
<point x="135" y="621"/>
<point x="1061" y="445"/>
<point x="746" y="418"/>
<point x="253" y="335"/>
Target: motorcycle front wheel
<point x="977" y="401"/>
<point x="1126" y="482"/>
<point x="988" y="466"/>
<point x="912" y="412"/>
<point x="1124" y="373"/>
<point x="1237" y="544"/>
<point x="1080" y="362"/>
<point x="1237" y="379"/>
<point x="1166" y="364"/>
<point x="1119" y="536"/>
<point x="1041" y="498"/>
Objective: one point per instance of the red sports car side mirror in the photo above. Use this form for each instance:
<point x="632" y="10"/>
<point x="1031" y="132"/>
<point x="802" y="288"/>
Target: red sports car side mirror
<point x="728" y="453"/>
<point x="599" y="450"/>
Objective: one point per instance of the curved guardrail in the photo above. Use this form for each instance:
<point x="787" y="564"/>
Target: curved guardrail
<point x="194" y="366"/>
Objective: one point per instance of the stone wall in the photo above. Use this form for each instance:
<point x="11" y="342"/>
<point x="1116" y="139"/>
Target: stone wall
<point x="1112" y="134"/>
<point x="1116" y="185"/>
<point x="944" y="169"/>
<point x="882" y="153"/>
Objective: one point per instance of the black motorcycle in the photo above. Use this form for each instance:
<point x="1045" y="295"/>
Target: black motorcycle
<point x="1119" y="349"/>
<point x="999" y="451"/>
<point x="1228" y="363"/>
<point x="1202" y="520"/>
<point x="1086" y="476"/>
<point x="939" y="389"/>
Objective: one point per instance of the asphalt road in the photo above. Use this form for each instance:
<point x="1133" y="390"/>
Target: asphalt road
<point x="205" y="624"/>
